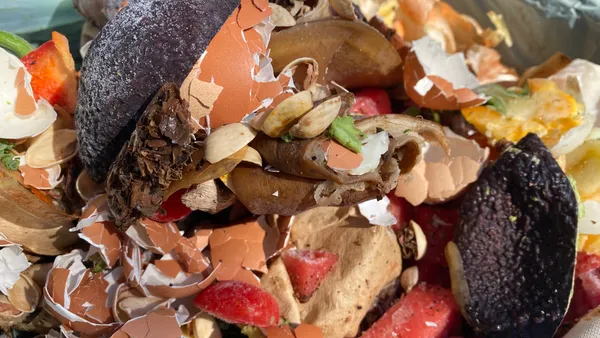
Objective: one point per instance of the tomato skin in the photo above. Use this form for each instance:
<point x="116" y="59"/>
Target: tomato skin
<point x="172" y="210"/>
<point x="372" y="102"/>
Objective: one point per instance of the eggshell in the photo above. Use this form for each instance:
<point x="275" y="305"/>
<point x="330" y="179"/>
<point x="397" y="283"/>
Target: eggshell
<point x="278" y="332"/>
<point x="159" y="238"/>
<point x="184" y="285"/>
<point x="12" y="263"/>
<point x="161" y="323"/>
<point x="438" y="178"/>
<point x="131" y="258"/>
<point x="377" y="212"/>
<point x="190" y="257"/>
<point x="51" y="149"/>
<point x="76" y="298"/>
<point x="436" y="80"/>
<point x="581" y="76"/>
<point x="308" y="331"/>
<point x="87" y="188"/>
<point x="20" y="115"/>
<point x="42" y="179"/>
<point x="104" y="237"/>
<point x="485" y="62"/>
<point x="340" y="157"/>
<point x="239" y="248"/>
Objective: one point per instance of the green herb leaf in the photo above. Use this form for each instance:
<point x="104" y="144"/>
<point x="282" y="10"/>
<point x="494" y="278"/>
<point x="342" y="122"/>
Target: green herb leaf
<point x="97" y="263"/>
<point x="7" y="157"/>
<point x="287" y="137"/>
<point x="412" y="111"/>
<point x="342" y="129"/>
<point x="500" y="96"/>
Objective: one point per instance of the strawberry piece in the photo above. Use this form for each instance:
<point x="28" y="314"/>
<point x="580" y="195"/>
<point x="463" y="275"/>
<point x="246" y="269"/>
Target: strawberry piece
<point x="371" y="102"/>
<point x="307" y="269"/>
<point x="401" y="209"/>
<point x="425" y="312"/>
<point x="438" y="223"/>
<point x="53" y="74"/>
<point x="239" y="303"/>
<point x="586" y="293"/>
<point x="172" y="209"/>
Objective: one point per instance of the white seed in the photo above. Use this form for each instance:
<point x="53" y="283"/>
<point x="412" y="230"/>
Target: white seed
<point x="318" y="119"/>
<point x="227" y="140"/>
<point x="420" y="239"/>
<point x="409" y="278"/>
<point x="287" y="114"/>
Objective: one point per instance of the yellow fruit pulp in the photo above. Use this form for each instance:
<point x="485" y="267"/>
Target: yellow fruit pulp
<point x="548" y="112"/>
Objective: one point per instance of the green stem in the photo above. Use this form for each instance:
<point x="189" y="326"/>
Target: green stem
<point x="15" y="44"/>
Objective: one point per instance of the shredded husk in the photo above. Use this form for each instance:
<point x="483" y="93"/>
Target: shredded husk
<point x="156" y="154"/>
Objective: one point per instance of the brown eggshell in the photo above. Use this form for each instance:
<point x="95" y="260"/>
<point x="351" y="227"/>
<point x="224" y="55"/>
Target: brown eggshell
<point x="168" y="267"/>
<point x="278" y="332"/>
<point x="177" y="292"/>
<point x="308" y="331"/>
<point x="442" y="96"/>
<point x="340" y="157"/>
<point x="163" y="236"/>
<point x="161" y="323"/>
<point x="131" y="258"/>
<point x="42" y="179"/>
<point x="438" y="178"/>
<point x="103" y="236"/>
<point x="25" y="103"/>
<point x="190" y="257"/>
<point x="239" y="248"/>
<point x="89" y="300"/>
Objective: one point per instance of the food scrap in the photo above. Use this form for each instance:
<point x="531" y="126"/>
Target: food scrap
<point x="297" y="169"/>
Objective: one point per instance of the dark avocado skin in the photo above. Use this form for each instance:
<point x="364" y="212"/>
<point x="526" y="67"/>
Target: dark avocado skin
<point x="149" y="43"/>
<point x="517" y="239"/>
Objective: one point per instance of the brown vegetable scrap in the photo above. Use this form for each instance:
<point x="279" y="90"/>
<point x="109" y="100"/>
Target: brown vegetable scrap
<point x="156" y="154"/>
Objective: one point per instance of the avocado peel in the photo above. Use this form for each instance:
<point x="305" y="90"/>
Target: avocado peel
<point x="516" y="245"/>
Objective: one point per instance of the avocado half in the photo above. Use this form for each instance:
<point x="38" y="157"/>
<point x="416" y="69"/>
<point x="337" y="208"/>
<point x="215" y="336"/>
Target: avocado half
<point x="513" y="256"/>
<point x="149" y="43"/>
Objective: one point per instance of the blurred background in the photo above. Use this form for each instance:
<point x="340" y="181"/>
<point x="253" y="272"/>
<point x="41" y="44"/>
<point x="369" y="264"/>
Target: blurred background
<point x="539" y="27"/>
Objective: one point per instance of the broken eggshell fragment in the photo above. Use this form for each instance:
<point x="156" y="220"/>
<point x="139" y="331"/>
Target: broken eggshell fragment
<point x="13" y="262"/>
<point x="161" y="323"/>
<point x="77" y="298"/>
<point x="41" y="179"/>
<point x="438" y="178"/>
<point x="20" y="115"/>
<point x="436" y="80"/>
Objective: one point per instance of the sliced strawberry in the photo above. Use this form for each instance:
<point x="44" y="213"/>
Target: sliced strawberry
<point x="425" y="312"/>
<point x="53" y="74"/>
<point x="239" y="303"/>
<point x="438" y="224"/>
<point x="401" y="209"/>
<point x="307" y="269"/>
<point x="172" y="209"/>
<point x="586" y="293"/>
<point x="371" y="102"/>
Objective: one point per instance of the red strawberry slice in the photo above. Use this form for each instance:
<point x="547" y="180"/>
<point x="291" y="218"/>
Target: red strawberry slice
<point x="438" y="224"/>
<point x="586" y="293"/>
<point x="371" y="102"/>
<point x="172" y="209"/>
<point x="53" y="74"/>
<point x="425" y="312"/>
<point x="307" y="269"/>
<point x="239" y="303"/>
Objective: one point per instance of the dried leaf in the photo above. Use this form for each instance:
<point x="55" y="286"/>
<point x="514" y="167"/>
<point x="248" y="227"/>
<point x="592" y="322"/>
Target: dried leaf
<point x="25" y="219"/>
